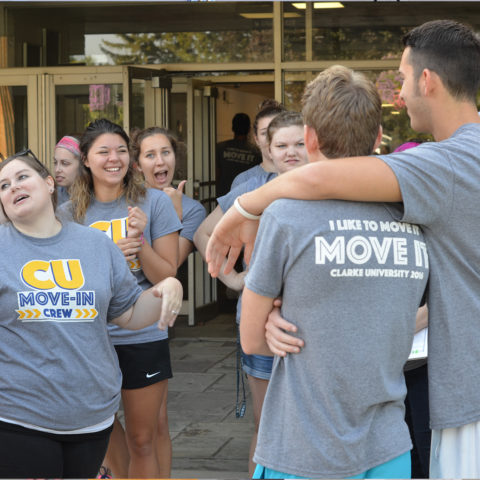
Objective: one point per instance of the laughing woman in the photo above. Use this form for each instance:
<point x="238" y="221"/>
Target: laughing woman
<point x="61" y="284"/>
<point x="109" y="195"/>
<point x="155" y="150"/>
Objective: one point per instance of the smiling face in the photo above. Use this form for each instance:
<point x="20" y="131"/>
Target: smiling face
<point x="108" y="160"/>
<point x="23" y="192"/>
<point x="156" y="161"/>
<point x="287" y="148"/>
<point x="66" y="166"/>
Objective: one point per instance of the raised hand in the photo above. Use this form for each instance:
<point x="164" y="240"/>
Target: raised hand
<point x="175" y="195"/>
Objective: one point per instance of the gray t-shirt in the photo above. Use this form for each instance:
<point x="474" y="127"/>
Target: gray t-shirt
<point x="111" y="218"/>
<point x="227" y="201"/>
<point x="351" y="279"/>
<point x="256" y="171"/>
<point x="193" y="214"/>
<point x="440" y="184"/>
<point x="59" y="368"/>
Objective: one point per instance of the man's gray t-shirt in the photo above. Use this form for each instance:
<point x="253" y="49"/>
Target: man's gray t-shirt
<point x="351" y="279"/>
<point x="112" y="219"/>
<point x="58" y="367"/>
<point x="440" y="185"/>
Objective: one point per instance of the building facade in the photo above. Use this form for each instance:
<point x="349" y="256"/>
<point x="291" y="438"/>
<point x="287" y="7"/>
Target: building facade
<point x="191" y="66"/>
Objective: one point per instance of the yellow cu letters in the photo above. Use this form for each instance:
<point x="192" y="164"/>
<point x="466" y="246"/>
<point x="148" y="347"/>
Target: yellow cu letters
<point x="115" y="229"/>
<point x="43" y="275"/>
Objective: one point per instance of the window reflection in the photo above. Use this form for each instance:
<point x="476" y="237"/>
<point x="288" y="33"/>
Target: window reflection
<point x="222" y="46"/>
<point x="367" y="43"/>
<point x="294" y="35"/>
<point x="78" y="105"/>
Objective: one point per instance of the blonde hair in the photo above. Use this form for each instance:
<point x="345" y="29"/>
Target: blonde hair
<point x="82" y="190"/>
<point x="345" y="110"/>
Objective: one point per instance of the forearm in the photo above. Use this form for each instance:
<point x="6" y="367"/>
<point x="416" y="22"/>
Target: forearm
<point x="255" y="310"/>
<point x="231" y="279"/>
<point x="205" y="229"/>
<point x="422" y="318"/>
<point x="185" y="247"/>
<point x="160" y="303"/>
<point x="143" y="313"/>
<point x="366" y="179"/>
<point x="155" y="266"/>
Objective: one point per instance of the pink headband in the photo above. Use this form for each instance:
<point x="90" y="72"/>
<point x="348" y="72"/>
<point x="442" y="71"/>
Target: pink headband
<point x="69" y="143"/>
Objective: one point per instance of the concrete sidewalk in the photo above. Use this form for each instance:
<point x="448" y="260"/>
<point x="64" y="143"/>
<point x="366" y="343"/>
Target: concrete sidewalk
<point x="208" y="440"/>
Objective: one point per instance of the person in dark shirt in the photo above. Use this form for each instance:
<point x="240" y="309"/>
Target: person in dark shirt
<point x="236" y="155"/>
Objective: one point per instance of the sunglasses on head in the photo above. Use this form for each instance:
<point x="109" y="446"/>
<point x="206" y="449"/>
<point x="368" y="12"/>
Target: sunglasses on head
<point x="26" y="153"/>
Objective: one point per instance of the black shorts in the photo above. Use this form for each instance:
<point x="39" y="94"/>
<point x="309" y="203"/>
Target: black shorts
<point x="143" y="364"/>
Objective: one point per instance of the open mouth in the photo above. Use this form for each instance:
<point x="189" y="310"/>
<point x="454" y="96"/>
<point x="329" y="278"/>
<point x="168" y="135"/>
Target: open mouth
<point x="112" y="169"/>
<point x="19" y="199"/>
<point x="161" y="177"/>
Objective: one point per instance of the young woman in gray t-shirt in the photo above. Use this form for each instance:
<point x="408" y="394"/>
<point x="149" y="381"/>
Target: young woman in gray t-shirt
<point x="61" y="284"/>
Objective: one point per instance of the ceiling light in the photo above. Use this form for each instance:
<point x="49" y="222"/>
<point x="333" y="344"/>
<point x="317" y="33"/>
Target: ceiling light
<point x="318" y="5"/>
<point x="257" y="16"/>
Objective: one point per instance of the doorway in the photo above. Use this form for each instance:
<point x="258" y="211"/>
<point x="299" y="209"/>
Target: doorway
<point x="236" y="98"/>
<point x="239" y="97"/>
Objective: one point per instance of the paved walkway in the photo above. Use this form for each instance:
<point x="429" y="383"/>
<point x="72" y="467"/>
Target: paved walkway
<point x="208" y="440"/>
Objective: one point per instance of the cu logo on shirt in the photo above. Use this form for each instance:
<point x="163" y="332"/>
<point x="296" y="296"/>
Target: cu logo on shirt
<point x="115" y="229"/>
<point x="45" y="275"/>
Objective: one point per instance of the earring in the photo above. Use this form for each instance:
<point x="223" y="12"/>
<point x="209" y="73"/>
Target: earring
<point x="51" y="190"/>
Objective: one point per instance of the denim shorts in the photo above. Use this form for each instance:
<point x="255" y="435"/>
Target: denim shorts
<point x="258" y="366"/>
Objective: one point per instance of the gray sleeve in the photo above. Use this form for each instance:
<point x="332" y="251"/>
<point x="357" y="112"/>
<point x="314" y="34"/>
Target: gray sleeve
<point x="267" y="267"/>
<point x="240" y="178"/>
<point x="427" y="182"/>
<point x="125" y="289"/>
<point x="193" y="215"/>
<point x="164" y="217"/>
<point x="227" y="200"/>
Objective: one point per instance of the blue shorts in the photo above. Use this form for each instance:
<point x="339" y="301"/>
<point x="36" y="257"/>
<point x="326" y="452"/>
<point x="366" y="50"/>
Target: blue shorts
<point x="258" y="366"/>
<point x="399" y="467"/>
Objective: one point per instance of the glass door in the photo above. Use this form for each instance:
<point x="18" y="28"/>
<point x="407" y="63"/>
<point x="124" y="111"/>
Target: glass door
<point x="18" y="114"/>
<point x="78" y="98"/>
<point x="192" y="116"/>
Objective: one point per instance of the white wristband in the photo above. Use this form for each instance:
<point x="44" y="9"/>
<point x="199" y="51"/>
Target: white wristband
<point x="243" y="212"/>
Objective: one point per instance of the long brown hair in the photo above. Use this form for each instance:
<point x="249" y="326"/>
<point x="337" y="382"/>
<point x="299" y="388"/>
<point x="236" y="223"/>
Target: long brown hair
<point x="82" y="190"/>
